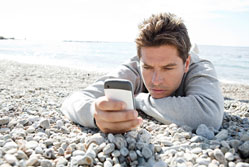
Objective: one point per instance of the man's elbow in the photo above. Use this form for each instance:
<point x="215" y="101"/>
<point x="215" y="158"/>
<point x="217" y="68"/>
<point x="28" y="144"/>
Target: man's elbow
<point x="215" y="114"/>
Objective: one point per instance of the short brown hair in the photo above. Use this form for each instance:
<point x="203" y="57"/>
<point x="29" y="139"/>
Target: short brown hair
<point x="164" y="29"/>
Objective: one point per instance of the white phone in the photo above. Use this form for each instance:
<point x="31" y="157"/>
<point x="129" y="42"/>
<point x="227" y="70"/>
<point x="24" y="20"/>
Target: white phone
<point x="121" y="90"/>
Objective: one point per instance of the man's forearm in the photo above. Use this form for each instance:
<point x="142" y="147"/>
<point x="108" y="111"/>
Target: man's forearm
<point x="190" y="110"/>
<point x="79" y="108"/>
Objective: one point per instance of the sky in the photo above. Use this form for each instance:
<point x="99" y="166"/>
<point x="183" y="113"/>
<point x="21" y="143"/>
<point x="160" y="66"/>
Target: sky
<point x="209" y="22"/>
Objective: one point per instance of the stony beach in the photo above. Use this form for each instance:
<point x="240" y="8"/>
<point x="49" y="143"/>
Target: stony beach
<point x="33" y="132"/>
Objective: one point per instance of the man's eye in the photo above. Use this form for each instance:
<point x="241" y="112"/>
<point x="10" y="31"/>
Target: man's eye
<point x="168" y="69"/>
<point x="146" y="67"/>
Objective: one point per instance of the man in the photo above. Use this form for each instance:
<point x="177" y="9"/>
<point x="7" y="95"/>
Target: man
<point x="171" y="84"/>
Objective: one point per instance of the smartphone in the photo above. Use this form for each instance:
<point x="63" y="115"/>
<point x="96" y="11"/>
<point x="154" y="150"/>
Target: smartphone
<point x="121" y="90"/>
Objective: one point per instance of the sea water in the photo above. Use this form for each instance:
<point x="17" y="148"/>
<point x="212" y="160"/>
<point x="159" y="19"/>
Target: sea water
<point x="231" y="63"/>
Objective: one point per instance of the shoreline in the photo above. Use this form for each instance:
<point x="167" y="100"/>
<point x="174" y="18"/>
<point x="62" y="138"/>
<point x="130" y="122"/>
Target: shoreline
<point x="33" y="132"/>
<point x="231" y="91"/>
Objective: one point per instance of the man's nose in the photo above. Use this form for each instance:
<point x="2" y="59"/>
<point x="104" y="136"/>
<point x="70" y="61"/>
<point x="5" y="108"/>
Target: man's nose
<point x="156" y="78"/>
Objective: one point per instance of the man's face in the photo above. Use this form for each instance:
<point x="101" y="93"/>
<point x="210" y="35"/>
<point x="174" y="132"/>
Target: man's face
<point x="162" y="69"/>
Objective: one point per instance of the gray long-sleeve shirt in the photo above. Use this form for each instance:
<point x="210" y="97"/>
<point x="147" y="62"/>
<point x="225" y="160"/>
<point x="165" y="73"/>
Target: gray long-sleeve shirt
<point x="198" y="100"/>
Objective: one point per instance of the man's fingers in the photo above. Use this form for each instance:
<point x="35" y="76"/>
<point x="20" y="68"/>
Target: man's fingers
<point x="119" y="127"/>
<point x="109" y="105"/>
<point x="116" y="116"/>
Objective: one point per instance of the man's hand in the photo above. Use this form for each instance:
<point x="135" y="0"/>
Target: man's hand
<point x="111" y="116"/>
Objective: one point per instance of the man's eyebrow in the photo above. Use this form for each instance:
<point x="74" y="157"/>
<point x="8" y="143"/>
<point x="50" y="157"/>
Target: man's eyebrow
<point x="165" y="66"/>
<point x="170" y="65"/>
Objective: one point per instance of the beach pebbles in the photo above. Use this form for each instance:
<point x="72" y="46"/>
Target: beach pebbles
<point x="33" y="132"/>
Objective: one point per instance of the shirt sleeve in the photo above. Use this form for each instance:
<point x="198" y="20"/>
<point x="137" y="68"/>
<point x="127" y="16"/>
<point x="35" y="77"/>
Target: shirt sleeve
<point x="201" y="103"/>
<point x="79" y="106"/>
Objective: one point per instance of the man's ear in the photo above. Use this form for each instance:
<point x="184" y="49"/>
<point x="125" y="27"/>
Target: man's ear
<point x="187" y="63"/>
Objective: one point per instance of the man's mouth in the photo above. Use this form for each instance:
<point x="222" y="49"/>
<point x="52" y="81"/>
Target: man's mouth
<point x="157" y="91"/>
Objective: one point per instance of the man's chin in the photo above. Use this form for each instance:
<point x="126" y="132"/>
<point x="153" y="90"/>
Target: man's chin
<point x="158" y="96"/>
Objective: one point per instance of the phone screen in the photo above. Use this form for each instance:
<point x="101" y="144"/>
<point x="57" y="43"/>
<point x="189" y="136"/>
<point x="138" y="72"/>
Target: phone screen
<point x="121" y="90"/>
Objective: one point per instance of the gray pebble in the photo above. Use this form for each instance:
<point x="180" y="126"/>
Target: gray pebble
<point x="218" y="154"/>
<point x="120" y="141"/>
<point x="124" y="151"/>
<point x="196" y="139"/>
<point x="144" y="136"/>
<point x="59" y="123"/>
<point x="204" y="131"/>
<point x="245" y="137"/>
<point x="61" y="151"/>
<point x="203" y="161"/>
<point x="139" y="145"/>
<point x="49" y="153"/>
<point x="234" y="143"/>
<point x="38" y="150"/>
<point x="133" y="155"/>
<point x="244" y="149"/>
<point x="109" y="148"/>
<point x="48" y="142"/>
<point x="2" y="142"/>
<point x="146" y="152"/>
<point x="132" y="134"/>
<point x="44" y="123"/>
<point x="111" y="137"/>
<point x="160" y="164"/>
<point x="116" y="153"/>
<point x="222" y="135"/>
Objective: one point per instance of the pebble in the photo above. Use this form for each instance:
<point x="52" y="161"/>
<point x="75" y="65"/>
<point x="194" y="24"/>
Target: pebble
<point x="116" y="153"/>
<point x="4" y="120"/>
<point x="120" y="141"/>
<point x="146" y="152"/>
<point x="204" y="131"/>
<point x="32" y="160"/>
<point x="11" y="159"/>
<point x="21" y="155"/>
<point x="109" y="148"/>
<point x="196" y="150"/>
<point x="244" y="149"/>
<point x="32" y="145"/>
<point x="222" y="135"/>
<point x="242" y="164"/>
<point x="61" y="161"/>
<point x="229" y="156"/>
<point x="46" y="163"/>
<point x="124" y="151"/>
<point x="219" y="155"/>
<point x="133" y="155"/>
<point x="107" y="164"/>
<point x="10" y="145"/>
<point x="44" y="123"/>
